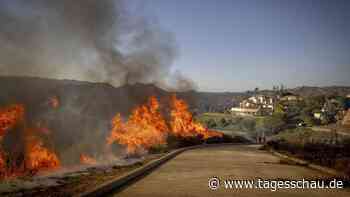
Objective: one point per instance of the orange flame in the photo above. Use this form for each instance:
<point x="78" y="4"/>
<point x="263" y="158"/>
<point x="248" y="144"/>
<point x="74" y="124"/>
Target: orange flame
<point x="38" y="157"/>
<point x="9" y="117"/>
<point x="2" y="164"/>
<point x="85" y="159"/>
<point x="144" y="129"/>
<point x="183" y="124"/>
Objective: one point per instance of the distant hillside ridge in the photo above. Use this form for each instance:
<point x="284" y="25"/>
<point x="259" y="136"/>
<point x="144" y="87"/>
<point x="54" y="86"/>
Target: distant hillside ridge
<point x="307" y="91"/>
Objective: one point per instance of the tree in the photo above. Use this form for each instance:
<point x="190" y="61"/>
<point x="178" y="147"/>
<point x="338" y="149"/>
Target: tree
<point x="274" y="123"/>
<point x="275" y="88"/>
<point x="211" y="123"/>
<point x="313" y="104"/>
<point x="347" y="103"/>
<point x="279" y="109"/>
<point x="247" y="125"/>
<point x="223" y="122"/>
<point x="340" y="102"/>
<point x="281" y="89"/>
<point x="308" y="120"/>
<point x="256" y="90"/>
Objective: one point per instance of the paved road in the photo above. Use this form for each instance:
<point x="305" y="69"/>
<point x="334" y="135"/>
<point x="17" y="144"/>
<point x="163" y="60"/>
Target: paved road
<point x="244" y="134"/>
<point x="188" y="174"/>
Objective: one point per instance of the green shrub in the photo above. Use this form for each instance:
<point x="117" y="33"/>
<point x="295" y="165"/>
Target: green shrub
<point x="224" y="122"/>
<point x="211" y="123"/>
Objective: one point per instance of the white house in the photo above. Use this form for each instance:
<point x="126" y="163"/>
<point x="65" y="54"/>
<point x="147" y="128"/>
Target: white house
<point x="255" y="105"/>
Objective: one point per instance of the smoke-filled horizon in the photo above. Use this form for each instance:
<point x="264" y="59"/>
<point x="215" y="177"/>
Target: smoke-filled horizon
<point x="88" y="40"/>
<point x="227" y="46"/>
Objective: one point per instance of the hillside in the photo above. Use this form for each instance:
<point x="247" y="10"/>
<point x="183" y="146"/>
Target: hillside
<point x="306" y="91"/>
<point x="103" y="100"/>
<point x="85" y="109"/>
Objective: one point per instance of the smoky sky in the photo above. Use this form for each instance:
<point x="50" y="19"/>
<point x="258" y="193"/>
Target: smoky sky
<point x="237" y="45"/>
<point x="91" y="40"/>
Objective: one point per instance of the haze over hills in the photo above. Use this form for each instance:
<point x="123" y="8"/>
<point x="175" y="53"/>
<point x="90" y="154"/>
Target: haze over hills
<point x="103" y="100"/>
<point x="34" y="91"/>
<point x="86" y="109"/>
<point x="306" y="91"/>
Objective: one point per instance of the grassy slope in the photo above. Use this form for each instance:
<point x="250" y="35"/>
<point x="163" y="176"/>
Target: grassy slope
<point x="323" y="148"/>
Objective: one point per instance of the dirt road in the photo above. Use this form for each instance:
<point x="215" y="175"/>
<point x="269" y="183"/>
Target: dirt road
<point x="188" y="174"/>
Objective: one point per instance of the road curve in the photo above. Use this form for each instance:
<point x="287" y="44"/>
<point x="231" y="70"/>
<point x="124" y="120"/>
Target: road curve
<point x="188" y="174"/>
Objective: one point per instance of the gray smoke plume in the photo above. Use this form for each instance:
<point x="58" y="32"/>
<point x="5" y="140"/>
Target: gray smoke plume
<point x="90" y="40"/>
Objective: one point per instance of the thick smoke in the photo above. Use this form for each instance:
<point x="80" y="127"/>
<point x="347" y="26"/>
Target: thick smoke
<point x="90" y="40"/>
<point x="179" y="82"/>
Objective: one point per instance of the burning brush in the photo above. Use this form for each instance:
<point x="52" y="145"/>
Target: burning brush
<point x="147" y="128"/>
<point x="24" y="151"/>
<point x="18" y="159"/>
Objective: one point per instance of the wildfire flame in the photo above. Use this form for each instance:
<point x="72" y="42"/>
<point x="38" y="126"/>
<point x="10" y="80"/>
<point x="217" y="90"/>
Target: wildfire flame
<point x="85" y="159"/>
<point x="9" y="117"/>
<point x="183" y="124"/>
<point x="145" y="128"/>
<point x="2" y="164"/>
<point x="36" y="156"/>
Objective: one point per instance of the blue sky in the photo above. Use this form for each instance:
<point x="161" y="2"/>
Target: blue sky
<point x="236" y="45"/>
